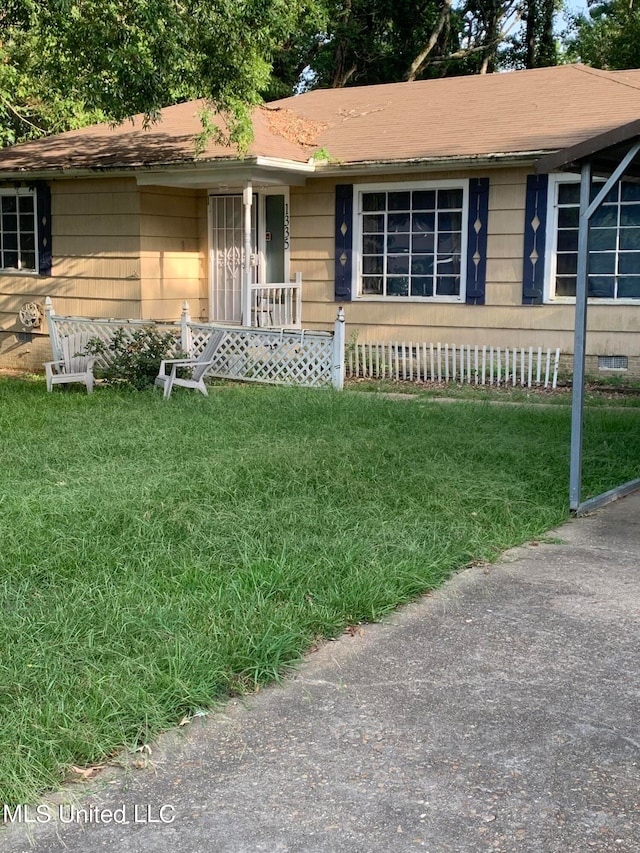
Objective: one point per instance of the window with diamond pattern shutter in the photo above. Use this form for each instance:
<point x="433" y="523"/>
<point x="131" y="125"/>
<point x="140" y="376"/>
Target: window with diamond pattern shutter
<point x="344" y="242"/>
<point x="477" y="240"/>
<point x="535" y="227"/>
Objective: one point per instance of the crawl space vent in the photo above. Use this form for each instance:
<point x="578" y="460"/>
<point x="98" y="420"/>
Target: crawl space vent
<point x="613" y="362"/>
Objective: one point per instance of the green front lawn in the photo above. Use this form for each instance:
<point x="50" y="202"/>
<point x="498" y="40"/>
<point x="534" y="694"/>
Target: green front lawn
<point x="155" y="555"/>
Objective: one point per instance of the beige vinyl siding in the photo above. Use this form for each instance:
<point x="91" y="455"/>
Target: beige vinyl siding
<point x="502" y="321"/>
<point x="95" y="248"/>
<point x="312" y="250"/>
<point x="173" y="241"/>
<point x="118" y="251"/>
<point x="505" y="239"/>
<point x="95" y="244"/>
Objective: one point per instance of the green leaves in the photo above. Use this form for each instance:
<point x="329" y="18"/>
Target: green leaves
<point x="69" y="62"/>
<point x="608" y="37"/>
<point x="133" y="360"/>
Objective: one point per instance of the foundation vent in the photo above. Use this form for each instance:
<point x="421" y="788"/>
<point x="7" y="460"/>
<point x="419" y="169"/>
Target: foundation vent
<point x="613" y="362"/>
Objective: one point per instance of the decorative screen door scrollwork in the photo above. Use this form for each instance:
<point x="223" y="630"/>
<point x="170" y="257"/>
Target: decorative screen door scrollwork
<point x="227" y="256"/>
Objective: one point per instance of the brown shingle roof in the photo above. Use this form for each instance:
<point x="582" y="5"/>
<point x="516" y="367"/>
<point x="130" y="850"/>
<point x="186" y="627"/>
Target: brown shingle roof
<point x="542" y="109"/>
<point x="131" y="144"/>
<point x="524" y="111"/>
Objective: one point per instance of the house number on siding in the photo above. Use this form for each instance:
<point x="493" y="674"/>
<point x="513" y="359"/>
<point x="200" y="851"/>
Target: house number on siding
<point x="286" y="226"/>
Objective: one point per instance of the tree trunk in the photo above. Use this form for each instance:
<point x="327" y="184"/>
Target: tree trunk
<point x="531" y="22"/>
<point x="547" y="45"/>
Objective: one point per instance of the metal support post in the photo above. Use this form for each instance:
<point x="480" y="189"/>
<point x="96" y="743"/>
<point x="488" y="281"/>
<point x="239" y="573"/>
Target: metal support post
<point x="580" y="334"/>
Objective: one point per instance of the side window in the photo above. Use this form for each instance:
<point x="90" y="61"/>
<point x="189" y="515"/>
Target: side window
<point x="18" y="230"/>
<point x="614" y="242"/>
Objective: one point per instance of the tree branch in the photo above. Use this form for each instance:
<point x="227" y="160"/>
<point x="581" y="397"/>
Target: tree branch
<point x="16" y="112"/>
<point x="418" y="62"/>
<point x="486" y="46"/>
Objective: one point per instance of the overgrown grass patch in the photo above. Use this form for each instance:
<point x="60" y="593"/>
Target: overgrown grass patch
<point x="598" y="391"/>
<point x="155" y="555"/>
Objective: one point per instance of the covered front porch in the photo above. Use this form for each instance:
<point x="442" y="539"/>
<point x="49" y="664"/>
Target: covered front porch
<point x="249" y="277"/>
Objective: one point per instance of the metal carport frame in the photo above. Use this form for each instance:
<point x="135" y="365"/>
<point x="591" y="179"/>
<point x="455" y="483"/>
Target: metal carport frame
<point x="612" y="154"/>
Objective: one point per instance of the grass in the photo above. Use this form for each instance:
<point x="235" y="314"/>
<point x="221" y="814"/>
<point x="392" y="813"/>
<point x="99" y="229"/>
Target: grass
<point x="156" y="555"/>
<point x="598" y="392"/>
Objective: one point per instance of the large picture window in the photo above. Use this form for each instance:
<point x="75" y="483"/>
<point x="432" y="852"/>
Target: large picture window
<point x="18" y="230"/>
<point x="614" y="243"/>
<point x="412" y="241"/>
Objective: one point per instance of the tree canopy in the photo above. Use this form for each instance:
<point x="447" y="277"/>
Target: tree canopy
<point x="66" y="63"/>
<point x="382" y="41"/>
<point x="608" y="36"/>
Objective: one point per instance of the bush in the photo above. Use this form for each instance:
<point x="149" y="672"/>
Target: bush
<point x="133" y="360"/>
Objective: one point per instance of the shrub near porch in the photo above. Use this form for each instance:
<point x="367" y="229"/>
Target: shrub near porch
<point x="155" y="555"/>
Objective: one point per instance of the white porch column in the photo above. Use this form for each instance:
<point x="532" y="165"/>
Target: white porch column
<point x="247" y="201"/>
<point x="337" y="371"/>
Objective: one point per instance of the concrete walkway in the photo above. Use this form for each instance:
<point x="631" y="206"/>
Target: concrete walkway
<point x="501" y="714"/>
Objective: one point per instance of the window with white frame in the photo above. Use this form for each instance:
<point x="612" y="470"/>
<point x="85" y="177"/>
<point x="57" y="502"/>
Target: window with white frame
<point x="18" y="230"/>
<point x="614" y="242"/>
<point x="412" y="240"/>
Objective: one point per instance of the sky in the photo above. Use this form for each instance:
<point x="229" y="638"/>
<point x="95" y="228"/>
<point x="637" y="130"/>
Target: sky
<point x="574" y="6"/>
<point x="577" y="5"/>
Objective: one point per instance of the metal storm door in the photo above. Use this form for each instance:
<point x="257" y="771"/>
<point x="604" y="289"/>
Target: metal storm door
<point x="227" y="256"/>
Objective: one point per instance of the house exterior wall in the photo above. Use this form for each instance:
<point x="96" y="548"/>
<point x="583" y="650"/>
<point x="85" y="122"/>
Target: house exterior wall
<point x="95" y="271"/>
<point x="118" y="251"/>
<point x="173" y="252"/>
<point x="125" y="251"/>
<point x="502" y="321"/>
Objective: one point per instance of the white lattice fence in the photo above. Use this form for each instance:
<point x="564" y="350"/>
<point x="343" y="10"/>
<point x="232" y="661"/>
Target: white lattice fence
<point x="269" y="355"/>
<point x="104" y="330"/>
<point x="477" y="365"/>
<point x="298" y="357"/>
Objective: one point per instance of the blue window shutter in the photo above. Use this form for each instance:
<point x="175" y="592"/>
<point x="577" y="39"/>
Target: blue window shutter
<point x="43" y="213"/>
<point x="344" y="242"/>
<point x="477" y="240"/>
<point x="535" y="232"/>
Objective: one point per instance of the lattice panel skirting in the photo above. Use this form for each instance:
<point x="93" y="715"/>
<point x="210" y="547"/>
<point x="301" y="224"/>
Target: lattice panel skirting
<point x="265" y="355"/>
<point x="104" y="330"/>
<point x="286" y="357"/>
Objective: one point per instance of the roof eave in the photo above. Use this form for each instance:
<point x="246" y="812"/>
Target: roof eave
<point x="51" y="173"/>
<point x="267" y="171"/>
<point x="429" y="164"/>
<point x="181" y="173"/>
<point x="203" y="173"/>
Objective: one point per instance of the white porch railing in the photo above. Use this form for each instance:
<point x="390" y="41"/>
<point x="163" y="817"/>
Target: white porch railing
<point x="277" y="306"/>
<point x="278" y="356"/>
